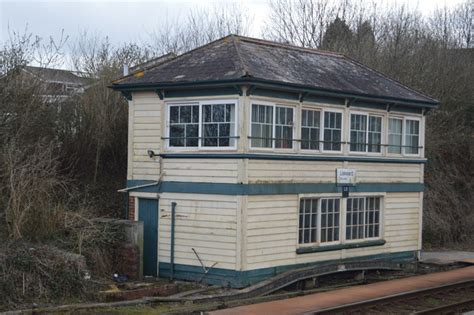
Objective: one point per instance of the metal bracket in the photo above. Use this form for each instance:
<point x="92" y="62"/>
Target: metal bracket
<point x="238" y="88"/>
<point x="127" y="95"/>
<point x="302" y="96"/>
<point x="206" y="269"/>
<point x="160" y="94"/>
<point x="349" y="102"/>
<point x="251" y="89"/>
<point x="389" y="107"/>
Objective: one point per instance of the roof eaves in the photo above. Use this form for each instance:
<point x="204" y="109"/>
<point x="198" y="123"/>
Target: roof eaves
<point x="275" y="84"/>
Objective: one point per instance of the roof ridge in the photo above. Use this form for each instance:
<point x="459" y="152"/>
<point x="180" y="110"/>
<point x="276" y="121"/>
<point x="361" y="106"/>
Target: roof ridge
<point x="289" y="46"/>
<point x="172" y="59"/>
<point x="389" y="78"/>
<point x="246" y="71"/>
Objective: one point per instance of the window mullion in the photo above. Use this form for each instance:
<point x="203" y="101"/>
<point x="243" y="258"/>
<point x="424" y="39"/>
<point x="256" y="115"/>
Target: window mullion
<point x="367" y="118"/>
<point x="200" y="125"/>
<point x="273" y="127"/>
<point x="318" y="223"/>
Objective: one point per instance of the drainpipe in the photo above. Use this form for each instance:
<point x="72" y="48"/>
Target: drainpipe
<point x="173" y="219"/>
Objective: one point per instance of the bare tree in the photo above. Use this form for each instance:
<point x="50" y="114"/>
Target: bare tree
<point x="198" y="27"/>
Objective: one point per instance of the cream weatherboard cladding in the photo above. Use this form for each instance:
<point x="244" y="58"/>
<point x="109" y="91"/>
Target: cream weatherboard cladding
<point x="238" y="208"/>
<point x="245" y="233"/>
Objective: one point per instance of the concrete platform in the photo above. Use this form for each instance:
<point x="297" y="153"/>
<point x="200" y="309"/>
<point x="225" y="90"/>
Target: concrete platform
<point x="447" y="257"/>
<point x="320" y="301"/>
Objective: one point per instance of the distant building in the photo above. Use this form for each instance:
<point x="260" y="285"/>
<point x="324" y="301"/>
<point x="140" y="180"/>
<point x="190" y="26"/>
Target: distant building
<point x="56" y="84"/>
<point x="254" y="157"/>
<point x="59" y="83"/>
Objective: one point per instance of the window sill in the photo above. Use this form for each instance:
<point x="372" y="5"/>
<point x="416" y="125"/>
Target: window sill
<point x="314" y="249"/>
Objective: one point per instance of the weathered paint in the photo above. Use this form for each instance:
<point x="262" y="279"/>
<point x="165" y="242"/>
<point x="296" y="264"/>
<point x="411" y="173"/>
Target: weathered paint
<point x="148" y="214"/>
<point x="241" y="279"/>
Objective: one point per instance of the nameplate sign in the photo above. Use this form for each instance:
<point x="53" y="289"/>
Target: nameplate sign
<point x="345" y="177"/>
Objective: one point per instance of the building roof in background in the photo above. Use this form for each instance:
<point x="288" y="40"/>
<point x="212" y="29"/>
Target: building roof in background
<point x="241" y="58"/>
<point x="59" y="76"/>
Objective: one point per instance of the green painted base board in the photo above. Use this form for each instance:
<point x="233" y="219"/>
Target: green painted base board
<point x="241" y="279"/>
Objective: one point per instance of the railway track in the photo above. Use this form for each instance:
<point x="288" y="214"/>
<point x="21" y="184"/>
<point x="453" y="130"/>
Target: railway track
<point x="452" y="298"/>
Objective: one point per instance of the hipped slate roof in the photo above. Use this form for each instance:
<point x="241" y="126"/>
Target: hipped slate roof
<point x="243" y="59"/>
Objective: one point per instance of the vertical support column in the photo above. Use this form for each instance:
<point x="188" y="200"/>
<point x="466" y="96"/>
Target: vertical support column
<point x="173" y="219"/>
<point x="243" y="120"/>
<point x="130" y="140"/>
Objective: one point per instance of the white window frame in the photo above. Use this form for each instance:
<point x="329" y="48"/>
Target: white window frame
<point x="382" y="207"/>
<point x="342" y="217"/>
<point x="200" y="147"/>
<point x="321" y="129"/>
<point x="367" y="115"/>
<point x="402" y="135"/>
<point x="332" y="110"/>
<point x="420" y="131"/>
<point x="318" y="221"/>
<point x="274" y="105"/>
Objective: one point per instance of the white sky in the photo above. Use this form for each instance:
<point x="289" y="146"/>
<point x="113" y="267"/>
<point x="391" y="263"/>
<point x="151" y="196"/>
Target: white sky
<point x="130" y="20"/>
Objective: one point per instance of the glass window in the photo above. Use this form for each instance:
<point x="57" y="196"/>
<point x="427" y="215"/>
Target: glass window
<point x="395" y="135"/>
<point x="358" y="133"/>
<point x="375" y="134"/>
<point x="412" y="138"/>
<point x="332" y="131"/>
<point x="365" y="133"/>
<point x="283" y="127"/>
<point x="362" y="218"/>
<point x="329" y="220"/>
<point x="262" y="126"/>
<point x="310" y="125"/>
<point x="218" y="125"/>
<point x="184" y="125"/>
<point x="308" y="225"/>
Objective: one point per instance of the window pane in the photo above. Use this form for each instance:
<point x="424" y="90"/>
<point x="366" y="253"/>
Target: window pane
<point x="284" y="128"/>
<point x="330" y="220"/>
<point x="362" y="218"/>
<point x="308" y="224"/>
<point x="184" y="126"/>
<point x="218" y="125"/>
<point x="262" y="126"/>
<point x="395" y="135"/>
<point x="310" y="129"/>
<point x="358" y="132"/>
<point x="412" y="136"/>
<point x="354" y="218"/>
<point x="375" y="134"/>
<point x="332" y="131"/>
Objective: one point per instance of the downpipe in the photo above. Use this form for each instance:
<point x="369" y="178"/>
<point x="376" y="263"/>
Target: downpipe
<point x="173" y="219"/>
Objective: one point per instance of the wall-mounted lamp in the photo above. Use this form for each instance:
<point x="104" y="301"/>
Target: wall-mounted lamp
<point x="151" y="153"/>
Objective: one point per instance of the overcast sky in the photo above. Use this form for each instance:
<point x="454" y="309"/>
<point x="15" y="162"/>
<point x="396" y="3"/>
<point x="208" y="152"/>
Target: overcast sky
<point x="125" y="21"/>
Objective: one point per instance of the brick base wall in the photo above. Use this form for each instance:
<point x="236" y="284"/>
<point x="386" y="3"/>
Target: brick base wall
<point x="131" y="208"/>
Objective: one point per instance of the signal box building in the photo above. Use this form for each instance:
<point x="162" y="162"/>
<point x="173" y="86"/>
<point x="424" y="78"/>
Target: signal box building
<point x="251" y="157"/>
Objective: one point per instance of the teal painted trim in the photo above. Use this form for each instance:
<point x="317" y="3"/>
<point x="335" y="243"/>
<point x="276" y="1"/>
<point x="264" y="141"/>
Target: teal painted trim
<point x="276" y="94"/>
<point x="204" y="92"/>
<point x="318" y="249"/>
<point x="273" y="85"/>
<point x="287" y="157"/>
<point x="240" y="279"/>
<point x="325" y="100"/>
<point x="269" y="189"/>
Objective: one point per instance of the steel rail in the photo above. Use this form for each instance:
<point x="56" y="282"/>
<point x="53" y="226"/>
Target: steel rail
<point x="394" y="297"/>
<point x="448" y="307"/>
